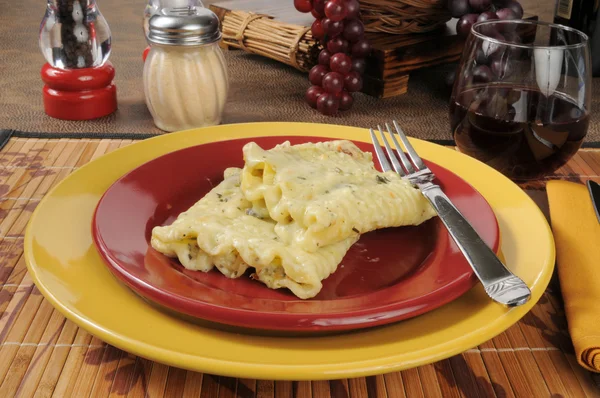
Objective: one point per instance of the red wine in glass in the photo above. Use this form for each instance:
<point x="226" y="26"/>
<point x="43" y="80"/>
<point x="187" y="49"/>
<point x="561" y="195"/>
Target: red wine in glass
<point x="517" y="130"/>
<point x="521" y="98"/>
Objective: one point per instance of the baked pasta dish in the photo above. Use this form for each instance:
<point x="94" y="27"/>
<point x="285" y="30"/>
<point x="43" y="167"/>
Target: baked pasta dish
<point x="290" y="214"/>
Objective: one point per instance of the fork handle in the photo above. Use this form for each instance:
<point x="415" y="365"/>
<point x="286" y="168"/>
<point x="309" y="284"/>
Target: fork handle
<point x="499" y="283"/>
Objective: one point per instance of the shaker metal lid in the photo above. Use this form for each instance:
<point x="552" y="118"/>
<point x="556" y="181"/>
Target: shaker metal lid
<point x="186" y="26"/>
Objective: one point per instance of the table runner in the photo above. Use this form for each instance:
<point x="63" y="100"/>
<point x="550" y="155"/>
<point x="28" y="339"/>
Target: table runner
<point x="44" y="354"/>
<point x="261" y="89"/>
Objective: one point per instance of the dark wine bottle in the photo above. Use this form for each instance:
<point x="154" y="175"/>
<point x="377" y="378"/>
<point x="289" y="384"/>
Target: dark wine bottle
<point x="582" y="15"/>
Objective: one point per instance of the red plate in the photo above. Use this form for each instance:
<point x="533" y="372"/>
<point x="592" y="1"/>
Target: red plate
<point x="388" y="275"/>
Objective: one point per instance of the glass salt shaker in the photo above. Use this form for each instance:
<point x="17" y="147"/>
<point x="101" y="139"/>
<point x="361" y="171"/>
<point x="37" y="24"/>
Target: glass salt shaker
<point x="185" y="74"/>
<point x="74" y="34"/>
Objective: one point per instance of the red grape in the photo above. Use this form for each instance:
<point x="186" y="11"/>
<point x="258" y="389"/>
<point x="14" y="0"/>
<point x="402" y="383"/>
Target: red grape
<point x="488" y="29"/>
<point x="317" y="29"/>
<point x="353" y="30"/>
<point x="338" y="28"/>
<point x="463" y="26"/>
<point x="353" y="82"/>
<point x="480" y="57"/>
<point x="480" y="5"/>
<point x="361" y="48"/>
<point x="486" y="16"/>
<point x="346" y="101"/>
<point x="337" y="45"/>
<point x="482" y="74"/>
<point x="324" y="57"/>
<point x="335" y="10"/>
<point x="458" y="8"/>
<point x="319" y="8"/>
<point x="359" y="65"/>
<point x="303" y="5"/>
<point x="332" y="28"/>
<point x="515" y="53"/>
<point x="490" y="47"/>
<point x="352" y="9"/>
<point x="333" y="82"/>
<point x="501" y="67"/>
<point x="506" y="14"/>
<point x="315" y="76"/>
<point x="513" y="38"/>
<point x="512" y="4"/>
<point x="516" y="7"/>
<point x="328" y="104"/>
<point x="312" y="94"/>
<point x="340" y="63"/>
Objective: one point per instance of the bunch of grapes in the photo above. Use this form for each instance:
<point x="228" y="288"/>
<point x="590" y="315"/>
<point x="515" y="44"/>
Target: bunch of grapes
<point x="471" y="11"/>
<point x="341" y="64"/>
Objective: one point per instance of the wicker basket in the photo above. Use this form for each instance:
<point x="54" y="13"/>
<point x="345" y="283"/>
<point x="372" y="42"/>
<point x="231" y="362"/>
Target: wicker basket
<point x="260" y="34"/>
<point x="294" y="45"/>
<point x="404" y="16"/>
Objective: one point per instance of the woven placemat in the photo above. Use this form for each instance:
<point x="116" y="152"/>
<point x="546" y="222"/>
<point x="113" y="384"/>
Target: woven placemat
<point x="261" y="89"/>
<point x="42" y="353"/>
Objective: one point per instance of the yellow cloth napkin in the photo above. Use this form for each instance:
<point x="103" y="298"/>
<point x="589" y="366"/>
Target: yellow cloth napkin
<point x="577" y="237"/>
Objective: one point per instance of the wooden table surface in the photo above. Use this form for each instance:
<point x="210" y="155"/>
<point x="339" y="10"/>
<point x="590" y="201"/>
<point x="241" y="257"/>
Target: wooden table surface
<point x="42" y="354"/>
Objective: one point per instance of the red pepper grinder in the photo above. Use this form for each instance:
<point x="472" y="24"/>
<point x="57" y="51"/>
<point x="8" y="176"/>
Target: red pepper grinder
<point x="76" y="42"/>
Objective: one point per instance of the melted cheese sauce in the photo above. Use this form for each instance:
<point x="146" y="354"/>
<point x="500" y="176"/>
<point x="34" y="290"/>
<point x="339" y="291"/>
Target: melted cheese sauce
<point x="326" y="192"/>
<point x="221" y="230"/>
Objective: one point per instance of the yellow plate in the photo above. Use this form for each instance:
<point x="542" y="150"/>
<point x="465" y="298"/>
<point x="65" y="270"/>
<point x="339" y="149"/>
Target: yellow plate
<point x="67" y="269"/>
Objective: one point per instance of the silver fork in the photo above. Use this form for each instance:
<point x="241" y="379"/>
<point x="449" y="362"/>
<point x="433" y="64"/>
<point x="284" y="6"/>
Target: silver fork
<point x="499" y="283"/>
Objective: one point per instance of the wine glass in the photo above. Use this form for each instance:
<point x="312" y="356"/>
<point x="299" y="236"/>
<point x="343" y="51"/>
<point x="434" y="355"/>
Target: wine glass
<point x="521" y="99"/>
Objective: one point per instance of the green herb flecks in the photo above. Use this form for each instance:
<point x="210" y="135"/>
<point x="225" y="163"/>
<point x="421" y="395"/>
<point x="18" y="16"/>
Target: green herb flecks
<point x="381" y="180"/>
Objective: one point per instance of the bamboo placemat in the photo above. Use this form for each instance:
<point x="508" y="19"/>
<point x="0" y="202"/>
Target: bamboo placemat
<point x="42" y="354"/>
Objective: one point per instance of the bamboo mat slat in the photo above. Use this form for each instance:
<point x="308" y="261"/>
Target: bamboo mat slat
<point x="446" y="381"/>
<point x="339" y="388"/>
<point x="44" y="355"/>
<point x="158" y="380"/>
<point x="482" y="380"/>
<point x="463" y="375"/>
<point x="429" y="381"/>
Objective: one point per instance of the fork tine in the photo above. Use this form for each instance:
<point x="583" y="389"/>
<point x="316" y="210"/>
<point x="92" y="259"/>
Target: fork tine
<point x="397" y="167"/>
<point x="405" y="162"/>
<point x="416" y="159"/>
<point x="385" y="165"/>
